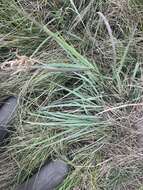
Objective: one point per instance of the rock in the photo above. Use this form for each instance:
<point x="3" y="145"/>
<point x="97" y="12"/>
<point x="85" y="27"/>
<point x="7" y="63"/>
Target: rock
<point x="48" y="177"/>
<point x="7" y="112"/>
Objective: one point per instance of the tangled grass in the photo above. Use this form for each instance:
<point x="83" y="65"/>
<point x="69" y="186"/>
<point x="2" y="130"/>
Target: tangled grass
<point x="82" y="99"/>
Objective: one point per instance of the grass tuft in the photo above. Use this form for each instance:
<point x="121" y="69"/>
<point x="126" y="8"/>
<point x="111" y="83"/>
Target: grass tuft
<point x="81" y="99"/>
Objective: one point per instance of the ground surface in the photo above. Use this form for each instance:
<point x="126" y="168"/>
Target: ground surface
<point x="77" y="68"/>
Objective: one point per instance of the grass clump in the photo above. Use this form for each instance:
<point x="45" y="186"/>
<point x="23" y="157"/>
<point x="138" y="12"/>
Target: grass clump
<point x="82" y="96"/>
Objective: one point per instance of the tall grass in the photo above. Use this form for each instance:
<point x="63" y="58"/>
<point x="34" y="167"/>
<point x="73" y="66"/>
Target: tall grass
<point x="81" y="99"/>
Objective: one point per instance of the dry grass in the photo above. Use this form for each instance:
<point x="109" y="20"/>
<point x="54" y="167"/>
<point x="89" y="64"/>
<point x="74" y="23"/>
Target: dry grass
<point x="83" y="109"/>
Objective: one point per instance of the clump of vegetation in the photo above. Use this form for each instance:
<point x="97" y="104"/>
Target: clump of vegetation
<point x="81" y="97"/>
